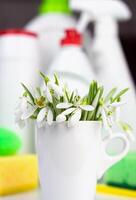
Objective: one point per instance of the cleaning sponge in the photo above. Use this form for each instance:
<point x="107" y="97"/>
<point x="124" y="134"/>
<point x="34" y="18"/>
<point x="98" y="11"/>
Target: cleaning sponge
<point x="18" y="174"/>
<point x="115" y="191"/>
<point x="123" y="174"/>
<point x="10" y="143"/>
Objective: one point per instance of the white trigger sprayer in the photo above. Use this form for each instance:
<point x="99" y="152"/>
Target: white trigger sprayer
<point x="108" y="57"/>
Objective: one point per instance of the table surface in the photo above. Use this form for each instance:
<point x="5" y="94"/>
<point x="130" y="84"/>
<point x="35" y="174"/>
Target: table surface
<point x="35" y="195"/>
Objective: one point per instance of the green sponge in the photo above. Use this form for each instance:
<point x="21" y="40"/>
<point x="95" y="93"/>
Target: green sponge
<point x="10" y="143"/>
<point x="123" y="174"/>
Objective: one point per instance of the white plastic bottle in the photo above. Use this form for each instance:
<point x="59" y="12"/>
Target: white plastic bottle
<point x="55" y="16"/>
<point x="72" y="63"/>
<point x="19" y="62"/>
<point x="109" y="60"/>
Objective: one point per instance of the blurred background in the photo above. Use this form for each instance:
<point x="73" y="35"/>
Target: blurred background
<point x="16" y="13"/>
<point x="34" y="31"/>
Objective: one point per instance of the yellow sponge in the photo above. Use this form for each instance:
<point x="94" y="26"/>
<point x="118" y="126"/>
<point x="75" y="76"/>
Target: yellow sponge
<point x="115" y="191"/>
<point x="18" y="174"/>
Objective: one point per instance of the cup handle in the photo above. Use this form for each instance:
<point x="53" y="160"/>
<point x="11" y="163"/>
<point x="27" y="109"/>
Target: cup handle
<point x="106" y="161"/>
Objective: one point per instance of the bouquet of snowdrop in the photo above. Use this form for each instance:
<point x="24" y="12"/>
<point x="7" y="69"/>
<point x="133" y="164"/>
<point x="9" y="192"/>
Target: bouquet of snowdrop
<point x="54" y="102"/>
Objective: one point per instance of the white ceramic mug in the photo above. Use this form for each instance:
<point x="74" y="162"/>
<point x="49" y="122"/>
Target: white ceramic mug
<point x="72" y="159"/>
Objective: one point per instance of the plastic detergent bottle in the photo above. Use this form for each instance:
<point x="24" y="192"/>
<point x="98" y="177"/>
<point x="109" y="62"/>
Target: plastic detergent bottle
<point x="72" y="63"/>
<point x="55" y="16"/>
<point x="19" y="63"/>
<point x="109" y="60"/>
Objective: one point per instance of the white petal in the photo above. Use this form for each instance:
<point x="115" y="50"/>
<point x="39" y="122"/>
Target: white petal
<point x="41" y="115"/>
<point x="41" y="124"/>
<point x="110" y="121"/>
<point x="76" y="92"/>
<point x="117" y="104"/>
<point x="57" y="89"/>
<point x="28" y="113"/>
<point x="22" y="104"/>
<point x="21" y="124"/>
<point x="58" y="92"/>
<point x="87" y="107"/>
<point x="48" y="95"/>
<point x="50" y="117"/>
<point x="75" y="118"/>
<point x="49" y="84"/>
<point x="68" y="111"/>
<point x="18" y="121"/>
<point x="64" y="105"/>
<point x="18" y="114"/>
<point x="104" y="119"/>
<point x="60" y="118"/>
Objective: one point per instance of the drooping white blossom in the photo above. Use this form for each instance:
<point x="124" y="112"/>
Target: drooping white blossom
<point x="75" y="110"/>
<point x="45" y="115"/>
<point x="23" y="111"/>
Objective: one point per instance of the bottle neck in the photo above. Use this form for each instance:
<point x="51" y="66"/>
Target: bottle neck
<point x="57" y="6"/>
<point x="71" y="46"/>
<point x="106" y="27"/>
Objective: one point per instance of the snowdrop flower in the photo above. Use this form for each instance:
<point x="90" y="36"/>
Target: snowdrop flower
<point x="40" y="105"/>
<point x="45" y="115"/>
<point x="48" y="94"/>
<point x="21" y="123"/>
<point x="57" y="89"/>
<point x="22" y="105"/>
<point x="23" y="111"/>
<point x="52" y="87"/>
<point x="107" y="111"/>
<point x="28" y="112"/>
<point x="116" y="107"/>
<point x="74" y="109"/>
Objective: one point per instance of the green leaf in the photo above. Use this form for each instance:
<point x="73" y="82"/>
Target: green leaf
<point x="84" y="101"/>
<point x="92" y="91"/>
<point x="110" y="95"/>
<point x="56" y="79"/>
<point x="61" y="99"/>
<point x="101" y="91"/>
<point x="25" y="94"/>
<point x="95" y="87"/>
<point x="55" y="102"/>
<point x="96" y="103"/>
<point x="34" y="116"/>
<point x="120" y="94"/>
<point x="28" y="92"/>
<point x="67" y="95"/>
<point x="96" y="99"/>
<point x="45" y="78"/>
<point x="38" y="89"/>
<point x="72" y="96"/>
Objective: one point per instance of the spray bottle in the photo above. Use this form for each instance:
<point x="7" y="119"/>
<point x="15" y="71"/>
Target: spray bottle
<point x="55" y="16"/>
<point x="109" y="60"/>
<point x="72" y="63"/>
